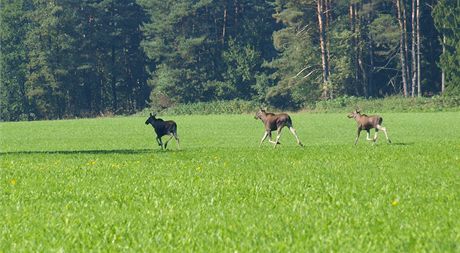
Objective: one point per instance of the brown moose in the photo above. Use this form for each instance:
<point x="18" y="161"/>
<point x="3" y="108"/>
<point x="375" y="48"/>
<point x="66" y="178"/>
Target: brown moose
<point x="274" y="122"/>
<point x="367" y="123"/>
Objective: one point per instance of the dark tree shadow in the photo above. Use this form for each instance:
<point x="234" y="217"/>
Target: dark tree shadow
<point x="72" y="152"/>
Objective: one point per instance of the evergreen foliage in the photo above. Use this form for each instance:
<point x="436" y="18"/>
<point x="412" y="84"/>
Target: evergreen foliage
<point x="92" y="57"/>
<point x="447" y="20"/>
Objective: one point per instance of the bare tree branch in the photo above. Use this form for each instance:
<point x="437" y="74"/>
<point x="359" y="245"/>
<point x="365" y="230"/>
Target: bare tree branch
<point x="311" y="72"/>
<point x="303" y="29"/>
<point x="377" y="69"/>
<point x="302" y="71"/>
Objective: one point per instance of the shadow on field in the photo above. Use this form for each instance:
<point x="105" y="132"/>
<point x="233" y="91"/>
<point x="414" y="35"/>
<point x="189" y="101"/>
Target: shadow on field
<point x="403" y="143"/>
<point x="72" y="152"/>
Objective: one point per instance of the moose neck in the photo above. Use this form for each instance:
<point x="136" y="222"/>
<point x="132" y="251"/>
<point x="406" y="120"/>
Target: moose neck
<point x="357" y="117"/>
<point x="263" y="117"/>
<point x="154" y="122"/>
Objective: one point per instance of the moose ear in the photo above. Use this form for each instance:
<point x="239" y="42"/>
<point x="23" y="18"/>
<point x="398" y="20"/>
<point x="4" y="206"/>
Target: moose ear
<point x="151" y="115"/>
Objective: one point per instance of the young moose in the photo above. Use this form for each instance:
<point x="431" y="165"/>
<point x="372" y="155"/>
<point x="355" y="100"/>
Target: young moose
<point x="367" y="123"/>
<point x="274" y="122"/>
<point x="162" y="128"/>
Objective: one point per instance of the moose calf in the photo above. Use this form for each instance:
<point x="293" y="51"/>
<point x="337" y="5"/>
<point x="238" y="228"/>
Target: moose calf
<point x="367" y="123"/>
<point x="274" y="122"/>
<point x="162" y="128"/>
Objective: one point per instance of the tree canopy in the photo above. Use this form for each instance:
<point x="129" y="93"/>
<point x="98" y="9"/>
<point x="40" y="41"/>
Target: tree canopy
<point x="91" y="57"/>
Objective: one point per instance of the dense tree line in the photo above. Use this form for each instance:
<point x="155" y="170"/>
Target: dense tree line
<point x="65" y="58"/>
<point x="84" y="58"/>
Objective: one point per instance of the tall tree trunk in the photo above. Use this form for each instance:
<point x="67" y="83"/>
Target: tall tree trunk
<point x="414" y="60"/>
<point x="113" y="67"/>
<point x="360" y="42"/>
<point x="328" y="42"/>
<point x="113" y="80"/>
<point x="224" y="27"/>
<point x="419" y="87"/>
<point x="443" y="74"/>
<point x="236" y="13"/>
<point x="322" y="39"/>
<point x="24" y="97"/>
<point x="353" y="43"/>
<point x="363" y="71"/>
<point x="406" y="43"/>
<point x="371" y="57"/>
<point x="401" y="48"/>
<point x="99" y="93"/>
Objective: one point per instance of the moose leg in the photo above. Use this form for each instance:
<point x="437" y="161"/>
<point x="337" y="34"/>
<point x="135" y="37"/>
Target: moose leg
<point x="160" y="143"/>
<point x="270" y="138"/>
<point x="278" y="135"/>
<point x="357" y="137"/>
<point x="379" y="127"/>
<point x="170" y="137"/>
<point x="177" y="139"/>
<point x="264" y="137"/>
<point x="375" y="136"/>
<point x="368" y="137"/>
<point x="295" y="135"/>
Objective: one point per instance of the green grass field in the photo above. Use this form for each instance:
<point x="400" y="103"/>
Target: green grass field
<point x="104" y="185"/>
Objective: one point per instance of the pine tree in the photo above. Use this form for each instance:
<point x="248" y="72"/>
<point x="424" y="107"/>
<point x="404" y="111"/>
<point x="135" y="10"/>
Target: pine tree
<point x="14" y="104"/>
<point x="447" y="19"/>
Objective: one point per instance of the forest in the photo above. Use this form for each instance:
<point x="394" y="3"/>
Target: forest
<point x="67" y="58"/>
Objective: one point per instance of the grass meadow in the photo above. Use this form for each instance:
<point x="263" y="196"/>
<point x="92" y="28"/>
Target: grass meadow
<point x="103" y="185"/>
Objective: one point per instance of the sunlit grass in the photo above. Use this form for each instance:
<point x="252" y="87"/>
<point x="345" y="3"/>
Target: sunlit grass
<point x="104" y="185"/>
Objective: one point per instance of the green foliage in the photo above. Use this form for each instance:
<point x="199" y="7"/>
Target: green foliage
<point x="44" y="41"/>
<point x="447" y="22"/>
<point x="179" y="42"/>
<point x="13" y="60"/>
<point x="296" y="70"/>
<point x="341" y="73"/>
<point x="384" y="31"/>
<point x="342" y="104"/>
<point x="208" y="50"/>
<point x="170" y="82"/>
<point x="103" y="185"/>
<point x="389" y="104"/>
<point x="242" y="63"/>
<point x="86" y="58"/>
<point x="62" y="58"/>
<point x="204" y="108"/>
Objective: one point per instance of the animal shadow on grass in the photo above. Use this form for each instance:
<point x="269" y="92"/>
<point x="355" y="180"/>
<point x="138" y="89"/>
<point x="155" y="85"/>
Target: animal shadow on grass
<point x="402" y="143"/>
<point x="165" y="151"/>
<point x="72" y="152"/>
<point x="394" y="144"/>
